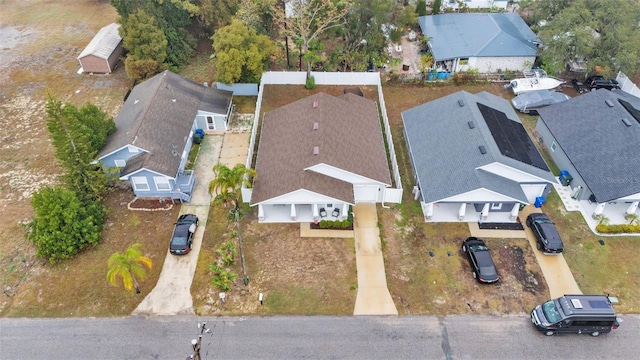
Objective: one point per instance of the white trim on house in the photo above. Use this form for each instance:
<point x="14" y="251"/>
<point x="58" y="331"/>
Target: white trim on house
<point x="140" y="183"/>
<point x="301" y="196"/>
<point x="120" y="162"/>
<point x="126" y="177"/>
<point x="162" y="183"/>
<point x="342" y="174"/>
<point x="130" y="148"/>
<point x="511" y="173"/>
<point x="480" y="195"/>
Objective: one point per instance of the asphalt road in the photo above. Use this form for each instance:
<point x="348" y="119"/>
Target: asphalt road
<point x="322" y="337"/>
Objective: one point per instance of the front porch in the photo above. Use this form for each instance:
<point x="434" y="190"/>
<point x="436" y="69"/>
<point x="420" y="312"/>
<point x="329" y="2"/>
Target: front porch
<point x="456" y="212"/>
<point x="299" y="213"/>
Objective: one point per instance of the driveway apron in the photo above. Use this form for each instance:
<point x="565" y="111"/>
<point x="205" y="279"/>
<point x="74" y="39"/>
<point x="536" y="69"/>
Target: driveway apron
<point x="373" y="297"/>
<point x="172" y="293"/>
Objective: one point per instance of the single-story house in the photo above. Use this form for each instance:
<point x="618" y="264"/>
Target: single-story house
<point x="103" y="52"/>
<point x="154" y="134"/>
<point x="472" y="159"/>
<point x="488" y="42"/>
<point x="595" y="138"/>
<point x="474" y="4"/>
<point x="316" y="157"/>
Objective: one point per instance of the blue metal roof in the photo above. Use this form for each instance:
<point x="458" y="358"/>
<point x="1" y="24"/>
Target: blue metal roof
<point x="478" y="35"/>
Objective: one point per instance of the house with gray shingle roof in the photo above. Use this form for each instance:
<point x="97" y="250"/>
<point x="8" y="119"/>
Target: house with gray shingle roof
<point x="103" y="52"/>
<point x="154" y="134"/>
<point x="487" y="42"/>
<point x="472" y="159"/>
<point x="595" y="137"/>
<point x="317" y="156"/>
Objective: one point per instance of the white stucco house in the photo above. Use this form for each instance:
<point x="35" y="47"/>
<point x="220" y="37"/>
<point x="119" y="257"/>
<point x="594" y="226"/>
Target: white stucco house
<point x="488" y="42"/>
<point x="472" y="159"/>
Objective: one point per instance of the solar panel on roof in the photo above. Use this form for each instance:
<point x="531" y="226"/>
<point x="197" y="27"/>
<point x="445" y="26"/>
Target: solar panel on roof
<point x="511" y="138"/>
<point x="632" y="110"/>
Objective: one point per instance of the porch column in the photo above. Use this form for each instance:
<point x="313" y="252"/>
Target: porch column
<point x="260" y="213"/>
<point x="599" y="210"/>
<point x="293" y="212"/>
<point x="416" y="193"/>
<point x="632" y="208"/>
<point x="344" y="213"/>
<point x="314" y="210"/>
<point x="462" y="211"/>
<point x="428" y="211"/>
<point x="485" y="212"/>
<point x="514" y="211"/>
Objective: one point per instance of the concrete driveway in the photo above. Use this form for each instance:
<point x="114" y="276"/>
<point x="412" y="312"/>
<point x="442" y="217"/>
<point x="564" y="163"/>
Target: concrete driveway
<point x="172" y="293"/>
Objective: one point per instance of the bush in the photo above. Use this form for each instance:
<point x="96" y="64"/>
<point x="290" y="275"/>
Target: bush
<point x="618" y="229"/>
<point x="311" y="83"/>
<point x="464" y="78"/>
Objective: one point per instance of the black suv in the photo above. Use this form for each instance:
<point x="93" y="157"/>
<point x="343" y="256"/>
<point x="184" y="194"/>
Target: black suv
<point x="547" y="237"/>
<point x="599" y="82"/>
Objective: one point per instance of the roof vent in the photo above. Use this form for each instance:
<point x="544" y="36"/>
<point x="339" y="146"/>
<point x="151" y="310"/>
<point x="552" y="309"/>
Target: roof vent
<point x="626" y="122"/>
<point x="315" y="125"/>
<point x="460" y="103"/>
<point x="315" y="104"/>
<point x="206" y="84"/>
<point x="136" y="101"/>
<point x="174" y="100"/>
<point x="316" y="150"/>
<point x="609" y="103"/>
<point x="483" y="150"/>
<point x="471" y="124"/>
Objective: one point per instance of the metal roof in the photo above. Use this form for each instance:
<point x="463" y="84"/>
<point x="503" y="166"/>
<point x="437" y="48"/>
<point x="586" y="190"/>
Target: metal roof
<point x="478" y="35"/>
<point x="446" y="153"/>
<point x="601" y="147"/>
<point x="103" y="44"/>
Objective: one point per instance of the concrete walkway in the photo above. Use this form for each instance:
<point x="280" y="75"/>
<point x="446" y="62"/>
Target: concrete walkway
<point x="554" y="267"/>
<point x="172" y="293"/>
<point x="373" y="297"/>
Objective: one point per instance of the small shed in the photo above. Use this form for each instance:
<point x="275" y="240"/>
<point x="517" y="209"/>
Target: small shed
<point x="103" y="52"/>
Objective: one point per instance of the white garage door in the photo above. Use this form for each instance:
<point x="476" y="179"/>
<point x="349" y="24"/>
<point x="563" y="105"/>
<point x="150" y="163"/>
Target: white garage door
<point x="365" y="193"/>
<point x="532" y="191"/>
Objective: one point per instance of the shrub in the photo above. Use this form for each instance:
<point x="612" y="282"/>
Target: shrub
<point x="464" y="78"/>
<point x="311" y="83"/>
<point x="617" y="229"/>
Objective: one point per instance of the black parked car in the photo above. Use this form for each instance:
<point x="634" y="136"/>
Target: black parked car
<point x="580" y="86"/>
<point x="182" y="238"/>
<point x="547" y="237"/>
<point x="599" y="82"/>
<point x="482" y="265"/>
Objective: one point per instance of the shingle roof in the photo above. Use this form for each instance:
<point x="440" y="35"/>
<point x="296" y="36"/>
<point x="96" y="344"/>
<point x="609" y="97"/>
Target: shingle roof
<point x="604" y="151"/>
<point x="445" y="150"/>
<point x="348" y="137"/>
<point x="103" y="43"/>
<point x="158" y="116"/>
<point x="478" y="35"/>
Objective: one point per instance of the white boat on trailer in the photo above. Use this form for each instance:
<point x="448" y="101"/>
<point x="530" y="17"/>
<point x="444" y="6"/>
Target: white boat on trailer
<point x="534" y="79"/>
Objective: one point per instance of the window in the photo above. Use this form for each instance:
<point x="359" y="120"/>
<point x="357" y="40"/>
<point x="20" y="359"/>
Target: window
<point x="132" y="149"/>
<point x="162" y="183"/>
<point x="496" y="206"/>
<point x="140" y="183"/>
<point x="120" y="163"/>
<point x="210" y="124"/>
<point x="553" y="145"/>
<point x="463" y="61"/>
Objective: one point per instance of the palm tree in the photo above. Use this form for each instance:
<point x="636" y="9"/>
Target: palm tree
<point x="633" y="218"/>
<point x="129" y="266"/>
<point x="228" y="182"/>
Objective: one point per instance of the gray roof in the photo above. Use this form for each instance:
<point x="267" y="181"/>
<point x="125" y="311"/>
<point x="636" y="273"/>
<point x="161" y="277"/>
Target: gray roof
<point x="603" y="150"/>
<point x="445" y="150"/>
<point x="103" y="43"/>
<point x="348" y="137"/>
<point x="158" y="116"/>
<point x="478" y="35"/>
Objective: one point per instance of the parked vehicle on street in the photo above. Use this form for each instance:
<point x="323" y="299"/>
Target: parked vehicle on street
<point x="580" y="86"/>
<point x="599" y="82"/>
<point x="482" y="266"/>
<point x="530" y="102"/>
<point x="577" y="314"/>
<point x="547" y="238"/>
<point x="182" y="238"/>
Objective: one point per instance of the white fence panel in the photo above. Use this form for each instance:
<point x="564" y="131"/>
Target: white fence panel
<point x="627" y="85"/>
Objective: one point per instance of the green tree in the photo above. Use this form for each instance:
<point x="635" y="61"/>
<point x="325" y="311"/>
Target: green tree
<point x="310" y="19"/>
<point x="222" y="278"/>
<point x="258" y="14"/>
<point x="147" y="46"/>
<point x="228" y="182"/>
<point x="421" y="8"/>
<point x="605" y="32"/>
<point x="436" y="7"/>
<point x="63" y="223"/>
<point x="241" y="55"/>
<point x="129" y="267"/>
<point x="77" y="135"/>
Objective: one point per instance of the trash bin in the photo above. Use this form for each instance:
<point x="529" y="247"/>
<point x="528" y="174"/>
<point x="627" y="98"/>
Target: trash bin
<point x="200" y="132"/>
<point x="539" y="201"/>
<point x="197" y="138"/>
<point x="565" y="178"/>
<point x="405" y="67"/>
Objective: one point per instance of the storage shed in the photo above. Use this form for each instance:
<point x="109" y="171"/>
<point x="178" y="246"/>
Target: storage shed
<point x="103" y="52"/>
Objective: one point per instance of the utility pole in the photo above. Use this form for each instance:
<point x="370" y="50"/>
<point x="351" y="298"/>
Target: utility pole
<point x="286" y="36"/>
<point x="197" y="344"/>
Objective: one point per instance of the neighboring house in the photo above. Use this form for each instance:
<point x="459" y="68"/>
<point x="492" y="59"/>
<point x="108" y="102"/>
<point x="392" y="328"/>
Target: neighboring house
<point x="317" y="156"/>
<point x="103" y="52"/>
<point x="154" y="132"/>
<point x="475" y="4"/>
<point x="595" y="137"/>
<point x="488" y="42"/>
<point x="472" y="159"/>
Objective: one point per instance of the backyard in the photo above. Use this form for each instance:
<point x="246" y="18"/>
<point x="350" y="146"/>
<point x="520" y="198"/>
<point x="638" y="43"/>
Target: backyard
<point x="426" y="271"/>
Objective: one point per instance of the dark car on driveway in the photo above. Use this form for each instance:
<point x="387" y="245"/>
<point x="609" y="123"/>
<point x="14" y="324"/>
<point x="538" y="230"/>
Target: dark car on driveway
<point x="580" y="86"/>
<point x="182" y="238"/>
<point x="547" y="238"/>
<point x="599" y="82"/>
<point x="484" y="270"/>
